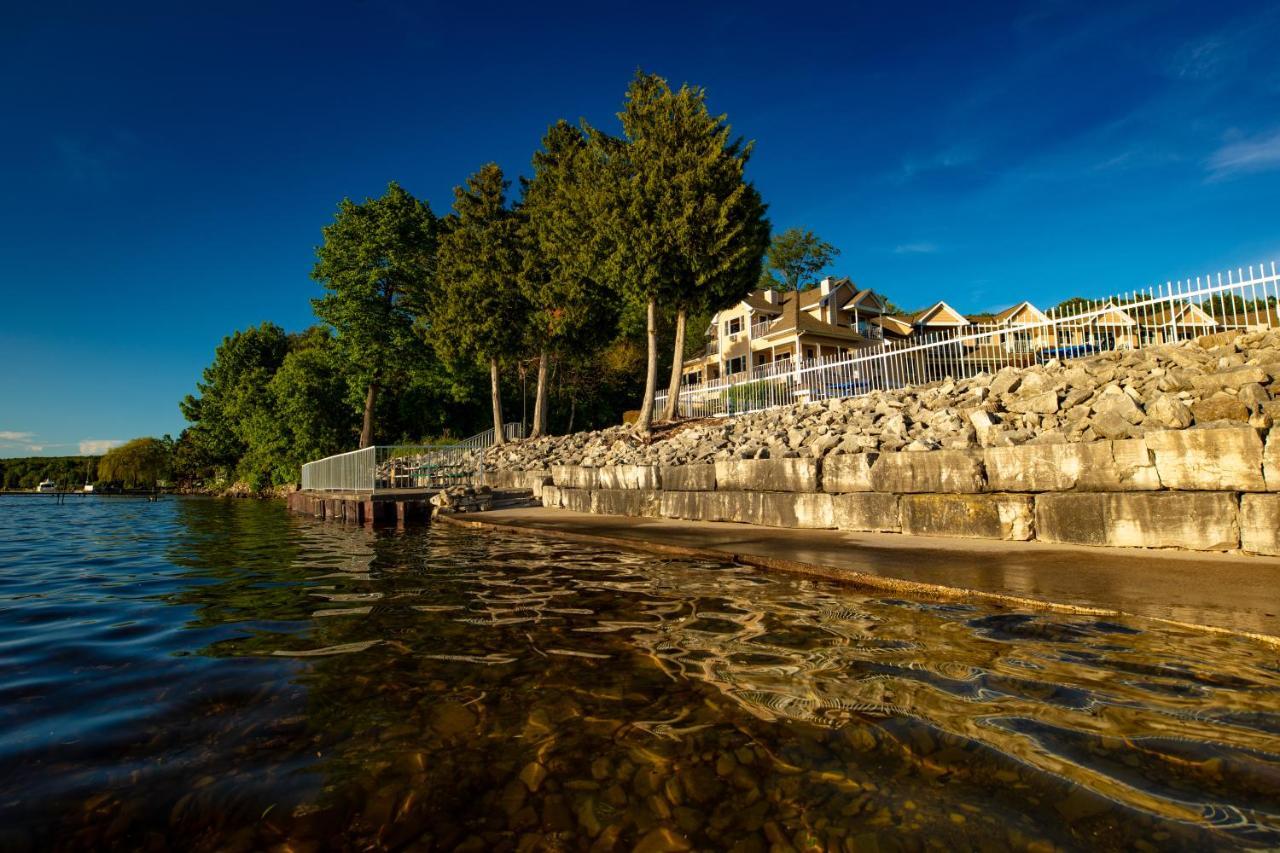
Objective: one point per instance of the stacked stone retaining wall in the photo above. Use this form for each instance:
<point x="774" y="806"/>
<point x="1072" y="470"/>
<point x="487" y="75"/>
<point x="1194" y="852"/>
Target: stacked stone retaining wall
<point x="1212" y="489"/>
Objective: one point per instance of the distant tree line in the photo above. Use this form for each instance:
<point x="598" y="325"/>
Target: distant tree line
<point x="68" y="472"/>
<point x="138" y="464"/>
<point x="569" y="299"/>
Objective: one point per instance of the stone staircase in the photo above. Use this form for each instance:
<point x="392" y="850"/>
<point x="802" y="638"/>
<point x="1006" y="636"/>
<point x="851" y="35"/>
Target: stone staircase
<point x="464" y="499"/>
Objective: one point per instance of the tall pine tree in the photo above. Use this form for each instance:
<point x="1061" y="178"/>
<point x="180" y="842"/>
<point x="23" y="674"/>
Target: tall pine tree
<point x="478" y="311"/>
<point x="688" y="230"/>
<point x="375" y="264"/>
<point x="569" y="308"/>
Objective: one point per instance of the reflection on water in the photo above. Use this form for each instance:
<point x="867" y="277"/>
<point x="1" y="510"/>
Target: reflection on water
<point x="219" y="675"/>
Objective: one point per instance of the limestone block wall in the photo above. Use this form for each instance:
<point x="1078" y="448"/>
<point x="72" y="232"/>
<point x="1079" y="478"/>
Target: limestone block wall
<point x="1209" y="489"/>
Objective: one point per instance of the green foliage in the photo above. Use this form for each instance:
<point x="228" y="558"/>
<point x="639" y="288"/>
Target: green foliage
<point x="740" y="397"/>
<point x="309" y="416"/>
<point x="569" y="307"/>
<point x="477" y="312"/>
<point x="377" y="265"/>
<point x="794" y="259"/>
<point x="683" y="224"/>
<point x="232" y="393"/>
<point x="70" y="473"/>
<point x="141" y="463"/>
<point x="417" y="310"/>
<point x="289" y="409"/>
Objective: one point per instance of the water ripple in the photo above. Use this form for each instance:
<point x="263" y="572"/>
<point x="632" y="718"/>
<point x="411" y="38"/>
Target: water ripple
<point x="219" y="675"/>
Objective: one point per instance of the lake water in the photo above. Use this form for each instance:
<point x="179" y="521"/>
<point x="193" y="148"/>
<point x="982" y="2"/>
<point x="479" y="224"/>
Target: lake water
<point x="204" y="674"/>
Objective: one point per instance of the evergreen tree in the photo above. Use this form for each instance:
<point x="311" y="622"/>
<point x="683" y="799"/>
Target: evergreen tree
<point x="377" y="263"/>
<point x="794" y="260"/>
<point x="687" y="229"/>
<point x="569" y="310"/>
<point x="478" y="312"/>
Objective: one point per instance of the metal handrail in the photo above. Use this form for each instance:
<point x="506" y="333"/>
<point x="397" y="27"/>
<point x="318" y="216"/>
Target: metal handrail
<point x="403" y="466"/>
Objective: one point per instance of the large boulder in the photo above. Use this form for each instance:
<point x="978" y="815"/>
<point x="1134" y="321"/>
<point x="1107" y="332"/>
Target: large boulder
<point x="948" y="471"/>
<point x="1094" y="466"/>
<point x="1114" y="401"/>
<point x="575" y="477"/>
<point x="866" y="511"/>
<point x="1227" y="459"/>
<point x="767" y="475"/>
<point x="969" y="516"/>
<point x="1205" y="521"/>
<point x="1260" y="524"/>
<point x="850" y="472"/>
<point x="633" y="502"/>
<point x="628" y="477"/>
<point x="689" y="478"/>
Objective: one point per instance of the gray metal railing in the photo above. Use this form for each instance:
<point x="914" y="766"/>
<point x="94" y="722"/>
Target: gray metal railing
<point x="403" y="466"/>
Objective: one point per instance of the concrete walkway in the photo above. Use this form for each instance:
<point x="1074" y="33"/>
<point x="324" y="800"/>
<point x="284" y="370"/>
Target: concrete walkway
<point x="1221" y="592"/>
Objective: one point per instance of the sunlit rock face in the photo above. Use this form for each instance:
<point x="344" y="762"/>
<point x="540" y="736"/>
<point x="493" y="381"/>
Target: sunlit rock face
<point x="1118" y="396"/>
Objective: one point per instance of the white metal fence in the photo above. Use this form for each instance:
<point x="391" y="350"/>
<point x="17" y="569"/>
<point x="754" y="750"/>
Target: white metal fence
<point x="403" y="466"/>
<point x="1243" y="299"/>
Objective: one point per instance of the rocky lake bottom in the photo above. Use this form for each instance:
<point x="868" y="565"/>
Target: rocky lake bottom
<point x="212" y="674"/>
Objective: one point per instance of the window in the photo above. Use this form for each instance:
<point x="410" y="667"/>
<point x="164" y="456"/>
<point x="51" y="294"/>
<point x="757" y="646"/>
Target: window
<point x="692" y="378"/>
<point x="736" y="365"/>
<point x="733" y="327"/>
<point x="809" y="353"/>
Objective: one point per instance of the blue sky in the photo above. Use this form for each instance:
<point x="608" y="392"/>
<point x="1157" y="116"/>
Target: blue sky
<point x="167" y="168"/>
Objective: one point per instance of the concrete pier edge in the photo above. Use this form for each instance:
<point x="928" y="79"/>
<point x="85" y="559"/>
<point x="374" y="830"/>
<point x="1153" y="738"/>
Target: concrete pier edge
<point x="850" y="577"/>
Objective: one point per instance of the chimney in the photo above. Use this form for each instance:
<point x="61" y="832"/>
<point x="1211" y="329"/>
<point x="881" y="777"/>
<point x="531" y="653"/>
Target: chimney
<point x="771" y="296"/>
<point x="824" y="286"/>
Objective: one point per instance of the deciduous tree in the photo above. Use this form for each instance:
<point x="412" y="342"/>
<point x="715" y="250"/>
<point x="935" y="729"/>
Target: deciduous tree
<point x="231" y="391"/>
<point x="376" y="264"/>
<point x="140" y="463"/>
<point x="795" y="258"/>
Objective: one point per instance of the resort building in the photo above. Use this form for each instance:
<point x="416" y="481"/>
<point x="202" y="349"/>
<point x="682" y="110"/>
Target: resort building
<point x="771" y="331"/>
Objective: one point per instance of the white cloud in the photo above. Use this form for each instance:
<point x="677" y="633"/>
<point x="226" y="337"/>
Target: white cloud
<point x="1258" y="154"/>
<point x="14" y="435"/>
<point x="98" y="446"/>
<point x="915" y="249"/>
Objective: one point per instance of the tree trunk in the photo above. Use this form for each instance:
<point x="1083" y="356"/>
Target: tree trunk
<point x="497" y="402"/>
<point x="644" y="423"/>
<point x="366" y="430"/>
<point x="540" y="399"/>
<point x="677" y="370"/>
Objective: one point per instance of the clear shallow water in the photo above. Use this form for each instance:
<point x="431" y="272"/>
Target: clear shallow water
<point x="220" y="675"/>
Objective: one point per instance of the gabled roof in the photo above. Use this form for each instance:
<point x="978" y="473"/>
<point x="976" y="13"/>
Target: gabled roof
<point x="865" y="299"/>
<point x="939" y="314"/>
<point x="757" y="301"/>
<point x="1006" y="316"/>
<point x="794" y="320"/>
<point x="894" y="325"/>
<point x="1187" y="313"/>
<point x="1110" y="315"/>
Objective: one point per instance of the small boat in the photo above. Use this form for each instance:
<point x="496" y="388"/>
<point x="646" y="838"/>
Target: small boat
<point x="46" y="486"/>
<point x="88" y="487"/>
